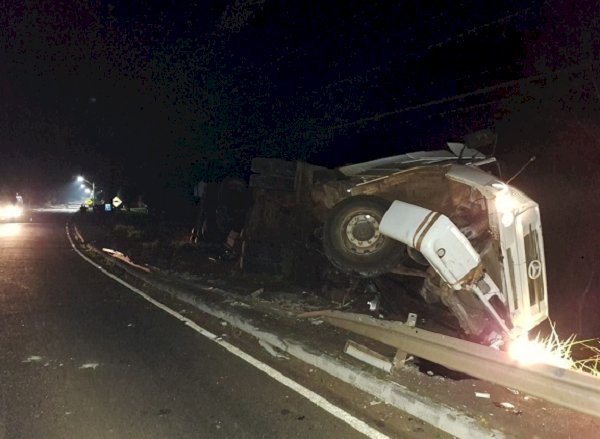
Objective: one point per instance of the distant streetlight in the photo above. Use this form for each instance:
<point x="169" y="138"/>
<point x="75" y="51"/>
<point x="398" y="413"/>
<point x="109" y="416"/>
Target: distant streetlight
<point x="87" y="190"/>
<point x="81" y="179"/>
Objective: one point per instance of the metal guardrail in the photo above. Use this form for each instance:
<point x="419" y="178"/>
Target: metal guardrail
<point x="572" y="389"/>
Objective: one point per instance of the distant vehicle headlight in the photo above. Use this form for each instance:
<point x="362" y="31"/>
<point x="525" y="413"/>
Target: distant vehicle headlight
<point x="10" y="212"/>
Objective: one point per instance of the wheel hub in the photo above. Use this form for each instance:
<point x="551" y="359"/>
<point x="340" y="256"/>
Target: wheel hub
<point x="362" y="232"/>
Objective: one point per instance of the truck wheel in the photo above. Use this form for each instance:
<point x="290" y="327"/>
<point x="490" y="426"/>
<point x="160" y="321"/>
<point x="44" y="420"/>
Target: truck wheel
<point x="352" y="241"/>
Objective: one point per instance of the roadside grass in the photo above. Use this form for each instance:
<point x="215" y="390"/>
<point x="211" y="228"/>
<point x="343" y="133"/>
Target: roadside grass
<point x="590" y="362"/>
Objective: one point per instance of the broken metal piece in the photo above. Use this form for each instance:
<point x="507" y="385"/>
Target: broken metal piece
<point x="399" y="360"/>
<point x="374" y="303"/>
<point x="369" y="356"/>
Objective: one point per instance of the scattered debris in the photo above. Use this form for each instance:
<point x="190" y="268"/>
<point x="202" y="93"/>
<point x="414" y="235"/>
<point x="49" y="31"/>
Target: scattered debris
<point x="130" y="325"/>
<point x="257" y="293"/>
<point x="482" y="395"/>
<point x="375" y="402"/>
<point x="344" y="305"/>
<point x="89" y="366"/>
<point x="316" y="322"/>
<point x="32" y="359"/>
<point x="430" y="373"/>
<point x="369" y="356"/>
<point x="223" y="323"/>
<point x="271" y="350"/>
<point x="510" y="408"/>
<point x="513" y="391"/>
<point x="122" y="257"/>
<point x="77" y="234"/>
<point x="374" y="303"/>
<point x="240" y="304"/>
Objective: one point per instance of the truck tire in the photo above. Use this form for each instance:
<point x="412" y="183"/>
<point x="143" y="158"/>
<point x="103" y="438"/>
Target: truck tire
<point x="351" y="238"/>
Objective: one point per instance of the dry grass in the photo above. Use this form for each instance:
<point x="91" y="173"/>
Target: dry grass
<point x="591" y="363"/>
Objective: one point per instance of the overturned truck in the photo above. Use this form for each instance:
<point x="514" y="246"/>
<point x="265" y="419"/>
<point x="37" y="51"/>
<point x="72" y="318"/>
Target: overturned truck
<point x="477" y="240"/>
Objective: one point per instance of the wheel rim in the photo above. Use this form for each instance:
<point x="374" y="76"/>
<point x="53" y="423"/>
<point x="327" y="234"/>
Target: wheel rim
<point x="361" y="234"/>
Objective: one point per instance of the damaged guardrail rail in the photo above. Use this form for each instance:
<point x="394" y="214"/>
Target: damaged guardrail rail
<point x="568" y="388"/>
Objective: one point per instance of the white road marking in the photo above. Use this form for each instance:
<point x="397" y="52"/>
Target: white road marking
<point x="313" y="397"/>
<point x="32" y="358"/>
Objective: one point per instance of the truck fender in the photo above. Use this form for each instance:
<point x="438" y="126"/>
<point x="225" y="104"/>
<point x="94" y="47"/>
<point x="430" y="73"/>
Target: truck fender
<point x="433" y="234"/>
<point x="448" y="251"/>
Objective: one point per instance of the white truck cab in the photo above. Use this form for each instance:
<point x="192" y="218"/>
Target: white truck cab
<point x="479" y="238"/>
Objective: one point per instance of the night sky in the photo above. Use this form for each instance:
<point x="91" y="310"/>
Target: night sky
<point x="141" y="95"/>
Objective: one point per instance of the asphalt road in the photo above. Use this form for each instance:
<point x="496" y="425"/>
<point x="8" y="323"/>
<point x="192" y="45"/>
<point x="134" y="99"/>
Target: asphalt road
<point x="83" y="357"/>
